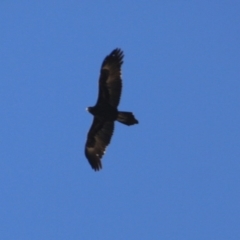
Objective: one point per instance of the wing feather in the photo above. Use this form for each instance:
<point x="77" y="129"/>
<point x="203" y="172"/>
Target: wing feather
<point x="99" y="136"/>
<point x="110" y="82"/>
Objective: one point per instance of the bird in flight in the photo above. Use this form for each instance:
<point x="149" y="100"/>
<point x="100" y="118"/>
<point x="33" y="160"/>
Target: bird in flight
<point x="105" y="111"/>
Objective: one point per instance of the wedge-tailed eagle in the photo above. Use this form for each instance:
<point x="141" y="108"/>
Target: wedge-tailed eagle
<point x="105" y="111"/>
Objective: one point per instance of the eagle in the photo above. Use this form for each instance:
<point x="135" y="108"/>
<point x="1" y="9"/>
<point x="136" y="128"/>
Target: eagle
<point x="105" y="112"/>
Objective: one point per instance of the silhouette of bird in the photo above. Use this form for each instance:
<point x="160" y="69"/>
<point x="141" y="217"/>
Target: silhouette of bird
<point x="105" y="111"/>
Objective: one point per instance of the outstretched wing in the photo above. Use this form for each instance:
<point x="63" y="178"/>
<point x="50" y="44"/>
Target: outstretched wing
<point x="99" y="136"/>
<point x="110" y="82"/>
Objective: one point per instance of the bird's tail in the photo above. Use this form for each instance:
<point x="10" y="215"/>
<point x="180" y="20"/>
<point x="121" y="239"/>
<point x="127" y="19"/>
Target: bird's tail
<point x="126" y="118"/>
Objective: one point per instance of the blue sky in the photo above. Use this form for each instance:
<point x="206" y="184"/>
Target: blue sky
<point x="173" y="176"/>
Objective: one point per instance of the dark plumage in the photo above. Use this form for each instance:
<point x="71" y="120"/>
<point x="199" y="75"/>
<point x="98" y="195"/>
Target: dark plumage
<point x="105" y="111"/>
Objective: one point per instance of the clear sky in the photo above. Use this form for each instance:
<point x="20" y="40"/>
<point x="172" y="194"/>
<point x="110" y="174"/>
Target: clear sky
<point x="175" y="176"/>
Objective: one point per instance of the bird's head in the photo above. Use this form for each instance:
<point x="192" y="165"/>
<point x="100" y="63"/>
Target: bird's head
<point x="89" y="109"/>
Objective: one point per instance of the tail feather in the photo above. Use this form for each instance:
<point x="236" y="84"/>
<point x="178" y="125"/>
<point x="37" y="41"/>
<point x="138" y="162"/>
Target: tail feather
<point x="127" y="118"/>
